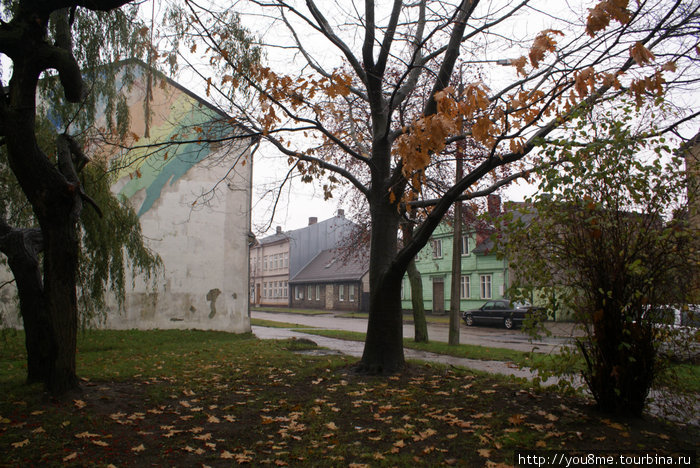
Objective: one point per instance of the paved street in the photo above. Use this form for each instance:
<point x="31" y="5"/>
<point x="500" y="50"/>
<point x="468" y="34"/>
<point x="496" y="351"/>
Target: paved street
<point x="482" y="336"/>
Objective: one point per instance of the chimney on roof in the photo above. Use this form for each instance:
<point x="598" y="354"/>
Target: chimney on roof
<point x="494" y="205"/>
<point x="313" y="220"/>
<point x="279" y="230"/>
<point x="341" y="213"/>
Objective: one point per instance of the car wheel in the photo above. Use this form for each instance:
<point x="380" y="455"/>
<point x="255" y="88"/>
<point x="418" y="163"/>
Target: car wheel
<point x="468" y="320"/>
<point x="508" y="323"/>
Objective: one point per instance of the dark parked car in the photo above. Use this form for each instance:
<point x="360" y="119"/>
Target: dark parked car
<point x="496" y="313"/>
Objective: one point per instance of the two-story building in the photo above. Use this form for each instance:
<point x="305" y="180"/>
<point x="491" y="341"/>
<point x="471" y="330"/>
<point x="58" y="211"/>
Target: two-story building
<point x="483" y="275"/>
<point x="276" y="259"/>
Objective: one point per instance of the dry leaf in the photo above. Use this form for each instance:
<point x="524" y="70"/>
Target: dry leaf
<point x="486" y="453"/>
<point x="138" y="448"/>
<point x="516" y="419"/>
<point x="101" y="443"/>
<point x="80" y="404"/>
<point x="70" y="457"/>
<point x="20" y="443"/>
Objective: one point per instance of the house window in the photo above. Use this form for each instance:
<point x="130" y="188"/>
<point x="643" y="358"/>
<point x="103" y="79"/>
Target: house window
<point x="464" y="288"/>
<point x="285" y="289"/>
<point x="465" y="245"/>
<point x="298" y="292"/>
<point x="405" y="291"/>
<point x="341" y="292"/>
<point x="437" y="248"/>
<point x="285" y="260"/>
<point x="310" y="293"/>
<point x="351" y="293"/>
<point x="265" y="263"/>
<point x="318" y="292"/>
<point x="486" y="286"/>
<point x="264" y="289"/>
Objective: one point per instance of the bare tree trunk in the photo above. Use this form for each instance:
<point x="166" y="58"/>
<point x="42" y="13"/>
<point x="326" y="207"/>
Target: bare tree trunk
<point x="420" y="326"/>
<point x="383" y="352"/>
<point x="21" y="247"/>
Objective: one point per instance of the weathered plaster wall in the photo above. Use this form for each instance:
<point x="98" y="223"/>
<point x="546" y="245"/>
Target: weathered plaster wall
<point x="204" y="246"/>
<point x="204" y="252"/>
<point x="202" y="239"/>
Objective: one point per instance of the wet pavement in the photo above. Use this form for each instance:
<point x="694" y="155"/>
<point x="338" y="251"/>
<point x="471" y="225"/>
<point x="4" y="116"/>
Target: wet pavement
<point x="481" y="336"/>
<point x="355" y="348"/>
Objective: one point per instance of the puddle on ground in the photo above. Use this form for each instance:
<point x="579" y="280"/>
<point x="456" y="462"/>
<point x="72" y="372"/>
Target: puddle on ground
<point x="319" y="352"/>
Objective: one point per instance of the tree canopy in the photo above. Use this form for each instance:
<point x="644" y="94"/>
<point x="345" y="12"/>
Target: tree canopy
<point x="607" y="238"/>
<point x="344" y="54"/>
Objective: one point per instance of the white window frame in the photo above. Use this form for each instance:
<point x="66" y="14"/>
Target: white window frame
<point x="318" y="292"/>
<point x="265" y="263"/>
<point x="310" y="292"/>
<point x="485" y="286"/>
<point x="465" y="245"/>
<point x="299" y="292"/>
<point x="437" y="248"/>
<point x="341" y="293"/>
<point x="285" y="290"/>
<point x="465" y="287"/>
<point x="351" y="293"/>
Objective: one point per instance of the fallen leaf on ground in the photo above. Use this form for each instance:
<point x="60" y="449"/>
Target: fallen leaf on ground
<point x="138" y="448"/>
<point x="70" y="457"/>
<point x="21" y="443"/>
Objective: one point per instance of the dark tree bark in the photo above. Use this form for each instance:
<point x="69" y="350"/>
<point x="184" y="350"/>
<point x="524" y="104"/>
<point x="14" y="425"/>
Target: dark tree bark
<point x="21" y="246"/>
<point x="383" y="352"/>
<point x="420" y="326"/>
<point x="53" y="190"/>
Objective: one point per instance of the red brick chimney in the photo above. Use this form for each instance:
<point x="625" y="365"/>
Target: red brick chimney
<point x="494" y="205"/>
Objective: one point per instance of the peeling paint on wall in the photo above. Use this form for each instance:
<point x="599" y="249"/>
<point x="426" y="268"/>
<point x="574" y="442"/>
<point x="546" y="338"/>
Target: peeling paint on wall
<point x="212" y="295"/>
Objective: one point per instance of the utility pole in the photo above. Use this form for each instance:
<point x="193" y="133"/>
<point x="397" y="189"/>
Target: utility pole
<point x="453" y="338"/>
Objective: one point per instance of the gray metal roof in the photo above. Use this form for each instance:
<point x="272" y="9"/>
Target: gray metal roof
<point x="333" y="265"/>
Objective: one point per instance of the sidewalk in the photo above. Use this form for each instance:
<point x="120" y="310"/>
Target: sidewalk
<point x="355" y="348"/>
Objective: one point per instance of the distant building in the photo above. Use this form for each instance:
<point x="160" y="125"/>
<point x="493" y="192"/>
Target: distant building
<point x="332" y="281"/>
<point x="483" y="276"/>
<point x="275" y="259"/>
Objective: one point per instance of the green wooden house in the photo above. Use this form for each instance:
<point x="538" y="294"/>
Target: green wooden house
<point x="483" y="275"/>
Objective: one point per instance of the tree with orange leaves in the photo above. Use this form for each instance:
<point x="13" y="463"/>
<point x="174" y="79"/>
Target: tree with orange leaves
<point x="583" y="59"/>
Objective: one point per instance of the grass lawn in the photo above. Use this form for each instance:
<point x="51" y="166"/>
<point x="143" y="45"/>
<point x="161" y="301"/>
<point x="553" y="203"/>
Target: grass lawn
<point x="685" y="377"/>
<point x="193" y="398"/>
